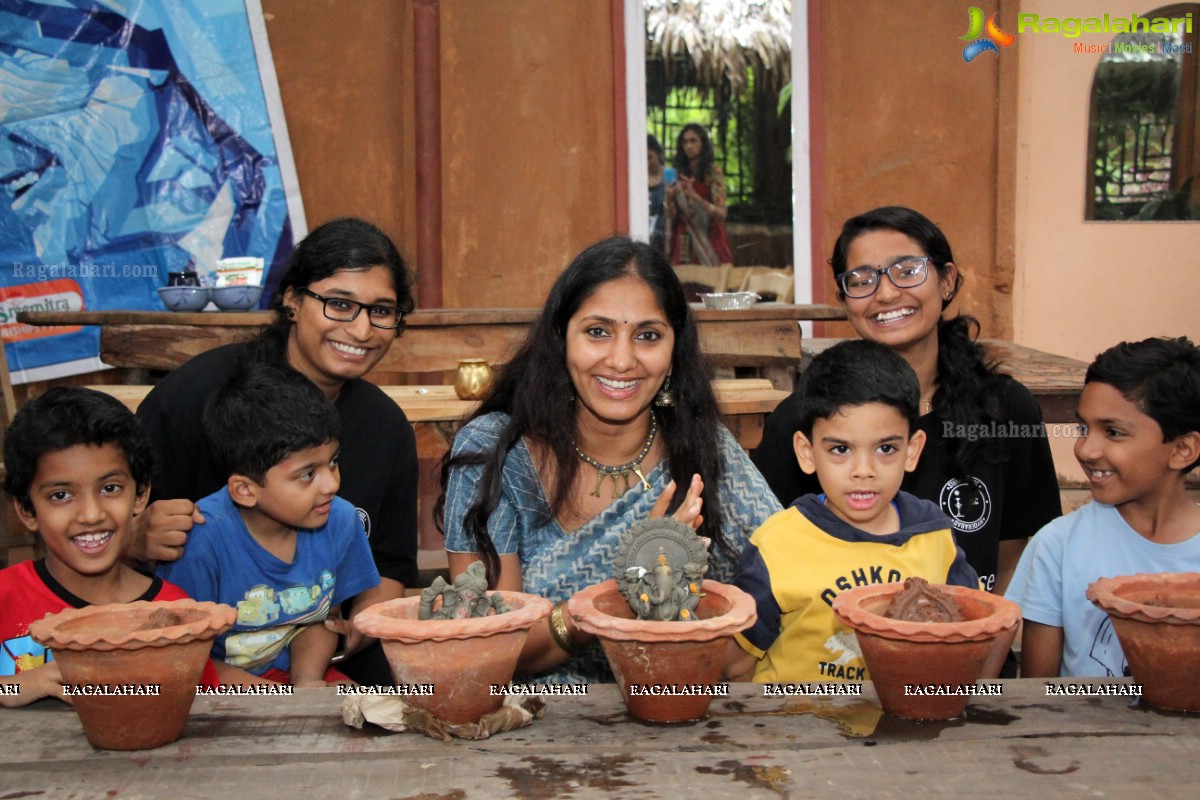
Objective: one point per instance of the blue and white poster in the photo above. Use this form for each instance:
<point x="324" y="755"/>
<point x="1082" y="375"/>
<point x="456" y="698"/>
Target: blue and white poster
<point x="137" y="138"/>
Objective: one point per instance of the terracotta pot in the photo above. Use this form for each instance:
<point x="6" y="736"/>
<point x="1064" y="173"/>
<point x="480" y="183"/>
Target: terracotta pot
<point x="653" y="653"/>
<point x="462" y="658"/>
<point x="134" y="644"/>
<point x="900" y="653"/>
<point x="1157" y="620"/>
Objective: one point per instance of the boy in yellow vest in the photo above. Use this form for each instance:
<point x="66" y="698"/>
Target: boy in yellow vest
<point x="857" y="432"/>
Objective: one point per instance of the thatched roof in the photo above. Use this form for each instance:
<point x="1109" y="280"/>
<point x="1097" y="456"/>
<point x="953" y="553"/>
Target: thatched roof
<point x="723" y="38"/>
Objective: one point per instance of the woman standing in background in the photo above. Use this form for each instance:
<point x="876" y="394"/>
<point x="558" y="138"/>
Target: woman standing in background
<point x="696" y="202"/>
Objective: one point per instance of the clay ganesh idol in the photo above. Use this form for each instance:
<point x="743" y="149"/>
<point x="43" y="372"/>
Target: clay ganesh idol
<point x="659" y="566"/>
<point x="467" y="597"/>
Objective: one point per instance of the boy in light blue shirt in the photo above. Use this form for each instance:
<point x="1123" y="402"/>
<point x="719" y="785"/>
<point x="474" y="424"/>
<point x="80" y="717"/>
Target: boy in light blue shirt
<point x="1139" y="438"/>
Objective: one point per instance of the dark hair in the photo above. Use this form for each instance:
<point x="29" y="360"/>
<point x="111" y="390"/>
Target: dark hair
<point x="64" y="417"/>
<point x="967" y="392"/>
<point x="654" y="147"/>
<point x="912" y="224"/>
<point x="263" y="414"/>
<point x="683" y="165"/>
<point x="1160" y="376"/>
<point x="536" y="392"/>
<point x="341" y="244"/>
<point x="854" y="373"/>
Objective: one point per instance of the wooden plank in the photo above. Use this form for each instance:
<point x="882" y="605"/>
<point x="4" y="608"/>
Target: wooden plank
<point x="1022" y="744"/>
<point x="1045" y="374"/>
<point x="764" y="336"/>
<point x="165" y="347"/>
<point x="435" y="317"/>
<point x="755" y="343"/>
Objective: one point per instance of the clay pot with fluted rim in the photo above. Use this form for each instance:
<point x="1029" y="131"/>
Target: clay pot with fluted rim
<point x="462" y="658"/>
<point x="664" y="654"/>
<point x="1157" y="620"/>
<point x="899" y="653"/>
<point x="140" y="644"/>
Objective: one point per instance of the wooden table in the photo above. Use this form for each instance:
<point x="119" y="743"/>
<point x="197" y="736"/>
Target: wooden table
<point x="1054" y="380"/>
<point x="764" y="336"/>
<point x="1023" y="744"/>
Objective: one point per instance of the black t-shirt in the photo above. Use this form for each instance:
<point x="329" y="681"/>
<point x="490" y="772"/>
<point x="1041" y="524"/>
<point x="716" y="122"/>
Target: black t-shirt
<point x="1011" y="497"/>
<point x="378" y="454"/>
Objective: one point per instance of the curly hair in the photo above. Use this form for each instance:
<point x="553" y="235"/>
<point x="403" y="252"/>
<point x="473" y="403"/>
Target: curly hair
<point x="967" y="392"/>
<point x="536" y="392"/>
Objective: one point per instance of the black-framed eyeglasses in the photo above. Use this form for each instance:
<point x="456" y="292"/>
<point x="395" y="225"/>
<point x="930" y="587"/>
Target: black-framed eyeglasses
<point x="339" y="309"/>
<point x="904" y="273"/>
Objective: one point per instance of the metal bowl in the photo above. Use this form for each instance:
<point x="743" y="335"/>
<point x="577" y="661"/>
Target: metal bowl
<point x="729" y="300"/>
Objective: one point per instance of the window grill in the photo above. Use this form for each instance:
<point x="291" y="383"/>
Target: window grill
<point x="673" y="100"/>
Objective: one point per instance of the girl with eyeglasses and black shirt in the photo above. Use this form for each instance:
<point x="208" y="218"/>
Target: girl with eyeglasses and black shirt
<point x="896" y="275"/>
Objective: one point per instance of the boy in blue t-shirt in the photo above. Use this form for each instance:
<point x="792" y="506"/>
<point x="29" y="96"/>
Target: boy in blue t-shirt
<point x="1139" y="438"/>
<point x="858" y="433"/>
<point x="277" y="543"/>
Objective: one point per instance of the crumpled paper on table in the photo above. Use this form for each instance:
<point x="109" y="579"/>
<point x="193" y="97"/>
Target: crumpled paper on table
<point x="392" y="713"/>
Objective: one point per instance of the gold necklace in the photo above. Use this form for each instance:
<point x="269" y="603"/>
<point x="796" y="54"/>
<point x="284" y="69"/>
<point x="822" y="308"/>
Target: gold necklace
<point x="633" y="467"/>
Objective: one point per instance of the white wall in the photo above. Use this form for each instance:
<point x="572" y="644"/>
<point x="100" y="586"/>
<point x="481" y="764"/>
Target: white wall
<point x="1083" y="286"/>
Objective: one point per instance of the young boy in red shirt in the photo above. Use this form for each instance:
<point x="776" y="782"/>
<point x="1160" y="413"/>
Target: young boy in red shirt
<point x="78" y="470"/>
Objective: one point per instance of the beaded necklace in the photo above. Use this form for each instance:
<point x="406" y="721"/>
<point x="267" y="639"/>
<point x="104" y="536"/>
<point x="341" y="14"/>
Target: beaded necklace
<point x="634" y="467"/>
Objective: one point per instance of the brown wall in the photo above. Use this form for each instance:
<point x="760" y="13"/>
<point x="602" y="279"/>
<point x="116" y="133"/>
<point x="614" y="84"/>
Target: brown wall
<point x="528" y="173"/>
<point x="527" y="144"/>
<point x="527" y="130"/>
<point x="905" y="121"/>
<point x="345" y="79"/>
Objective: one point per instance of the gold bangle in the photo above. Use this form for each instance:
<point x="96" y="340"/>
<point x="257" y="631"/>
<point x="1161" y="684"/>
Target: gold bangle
<point x="559" y="632"/>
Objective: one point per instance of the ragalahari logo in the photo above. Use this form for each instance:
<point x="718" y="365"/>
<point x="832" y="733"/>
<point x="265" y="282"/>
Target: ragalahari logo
<point x="993" y="35"/>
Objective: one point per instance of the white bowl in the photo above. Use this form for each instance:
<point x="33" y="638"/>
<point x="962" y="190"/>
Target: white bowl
<point x="729" y="300"/>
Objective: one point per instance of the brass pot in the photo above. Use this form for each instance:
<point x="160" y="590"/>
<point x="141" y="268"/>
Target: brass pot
<point x="473" y="379"/>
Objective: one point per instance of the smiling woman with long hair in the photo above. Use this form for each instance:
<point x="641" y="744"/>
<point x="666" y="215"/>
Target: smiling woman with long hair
<point x="604" y="417"/>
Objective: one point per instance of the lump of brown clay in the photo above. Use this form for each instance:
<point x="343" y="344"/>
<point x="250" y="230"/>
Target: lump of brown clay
<point x="160" y="618"/>
<point x="920" y="602"/>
